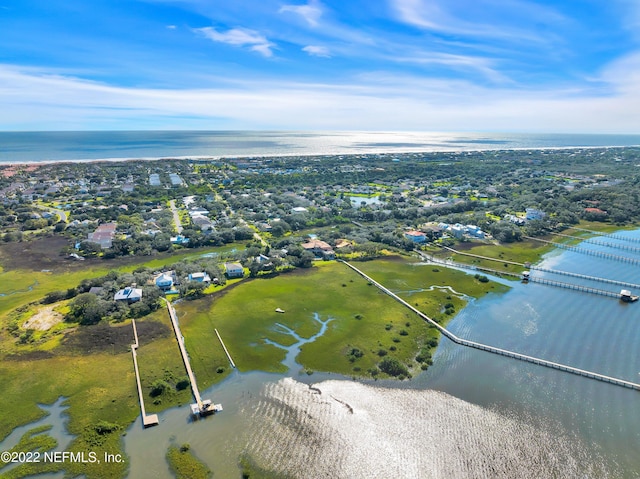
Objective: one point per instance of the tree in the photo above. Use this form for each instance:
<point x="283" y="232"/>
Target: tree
<point x="393" y="367"/>
<point x="86" y="308"/>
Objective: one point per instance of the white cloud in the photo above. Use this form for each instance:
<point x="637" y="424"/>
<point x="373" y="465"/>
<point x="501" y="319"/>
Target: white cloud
<point x="171" y="27"/>
<point x="240" y="37"/>
<point x="317" y="51"/>
<point x="311" y="12"/>
<point x="37" y="100"/>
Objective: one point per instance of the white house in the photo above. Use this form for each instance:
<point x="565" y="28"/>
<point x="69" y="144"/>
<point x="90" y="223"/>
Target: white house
<point x="233" y="270"/>
<point x="201" y="277"/>
<point x="129" y="294"/>
<point x="164" y="281"/>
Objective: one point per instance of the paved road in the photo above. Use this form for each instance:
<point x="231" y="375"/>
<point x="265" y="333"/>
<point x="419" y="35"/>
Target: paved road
<point x="176" y="218"/>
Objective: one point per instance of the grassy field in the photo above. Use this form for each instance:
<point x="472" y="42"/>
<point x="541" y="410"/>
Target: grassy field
<point x="364" y="320"/>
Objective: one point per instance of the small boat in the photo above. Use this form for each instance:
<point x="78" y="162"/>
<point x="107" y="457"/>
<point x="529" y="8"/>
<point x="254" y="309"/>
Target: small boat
<point x="627" y="297"/>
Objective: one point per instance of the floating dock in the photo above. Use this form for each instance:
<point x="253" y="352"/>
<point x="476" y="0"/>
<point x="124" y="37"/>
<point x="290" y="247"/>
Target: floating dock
<point x="151" y="420"/>
<point x="491" y="349"/>
<point x="200" y="408"/>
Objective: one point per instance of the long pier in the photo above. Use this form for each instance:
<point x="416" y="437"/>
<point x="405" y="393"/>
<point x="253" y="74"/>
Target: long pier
<point x="575" y="287"/>
<point x="203" y="407"/>
<point x="531" y="267"/>
<point x="498" y="351"/>
<point x="609" y="235"/>
<point x="226" y="351"/>
<point x="584" y="276"/>
<point x="606" y="244"/>
<point x="577" y="249"/>
<point x="151" y="420"/>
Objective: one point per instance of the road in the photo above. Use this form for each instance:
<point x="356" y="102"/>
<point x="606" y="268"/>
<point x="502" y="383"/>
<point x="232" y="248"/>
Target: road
<point x="176" y="217"/>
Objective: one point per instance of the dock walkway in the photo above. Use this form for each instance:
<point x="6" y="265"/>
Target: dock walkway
<point x="576" y="249"/>
<point x="632" y="249"/>
<point x="608" y="235"/>
<point x="151" y="420"/>
<point x="233" y="365"/>
<point x="498" y="351"/>
<point x="624" y="284"/>
<point x="202" y="406"/>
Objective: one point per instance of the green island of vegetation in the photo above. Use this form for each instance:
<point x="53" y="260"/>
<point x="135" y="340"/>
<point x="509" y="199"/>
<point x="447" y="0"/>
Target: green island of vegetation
<point x="249" y="247"/>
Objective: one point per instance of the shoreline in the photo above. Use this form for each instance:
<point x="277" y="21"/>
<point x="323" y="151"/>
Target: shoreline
<point x="49" y="162"/>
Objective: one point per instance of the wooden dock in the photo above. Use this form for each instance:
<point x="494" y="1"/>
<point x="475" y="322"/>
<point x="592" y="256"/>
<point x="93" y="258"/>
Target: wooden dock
<point x="151" y="420"/>
<point x="491" y="349"/>
<point x="226" y="351"/>
<point x="577" y="249"/>
<point x="606" y="244"/>
<point x="532" y="268"/>
<point x="608" y="235"/>
<point x="200" y="407"/>
<point x="574" y="287"/>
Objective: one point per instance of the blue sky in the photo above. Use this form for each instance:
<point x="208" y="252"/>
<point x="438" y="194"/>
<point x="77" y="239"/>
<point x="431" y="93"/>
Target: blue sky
<point x="394" y="65"/>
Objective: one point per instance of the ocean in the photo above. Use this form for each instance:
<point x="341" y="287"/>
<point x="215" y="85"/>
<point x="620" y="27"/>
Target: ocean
<point x="26" y="147"/>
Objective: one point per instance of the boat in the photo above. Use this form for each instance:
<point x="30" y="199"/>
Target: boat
<point x="627" y="297"/>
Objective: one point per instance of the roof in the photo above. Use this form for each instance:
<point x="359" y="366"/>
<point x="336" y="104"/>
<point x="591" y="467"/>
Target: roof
<point x="316" y="244"/>
<point x="233" y="267"/>
<point x="128" y="293"/>
<point x="414" y="233"/>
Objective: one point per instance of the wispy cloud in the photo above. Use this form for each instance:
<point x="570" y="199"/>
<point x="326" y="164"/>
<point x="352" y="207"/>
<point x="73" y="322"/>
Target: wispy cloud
<point x="240" y="37"/>
<point x="311" y="12"/>
<point x="481" y="65"/>
<point x="485" y="18"/>
<point x="317" y="51"/>
<point x="32" y="98"/>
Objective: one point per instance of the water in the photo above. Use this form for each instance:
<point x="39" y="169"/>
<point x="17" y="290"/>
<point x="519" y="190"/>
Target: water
<point x="472" y="414"/>
<point x="18" y="147"/>
<point x="357" y="201"/>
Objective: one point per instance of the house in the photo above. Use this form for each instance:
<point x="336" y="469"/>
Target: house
<point x="233" y="270"/>
<point x="181" y="240"/>
<point x="299" y="210"/>
<point x="534" y="214"/>
<point x="103" y="235"/>
<point x="457" y="231"/>
<point x="165" y="281"/>
<point x="201" y="277"/>
<point x="129" y="294"/>
<point x="343" y="243"/>
<point x="319" y="248"/>
<point x="416" y="236"/>
<point x="262" y="259"/>
<point x="204" y="223"/>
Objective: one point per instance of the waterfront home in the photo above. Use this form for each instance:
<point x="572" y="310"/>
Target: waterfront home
<point x="200" y="277"/>
<point x="103" y="235"/>
<point x="416" y="236"/>
<point x="319" y="248"/>
<point x="128" y="294"/>
<point x="164" y="281"/>
<point x="233" y="270"/>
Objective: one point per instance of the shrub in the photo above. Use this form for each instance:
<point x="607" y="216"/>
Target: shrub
<point x="393" y="367"/>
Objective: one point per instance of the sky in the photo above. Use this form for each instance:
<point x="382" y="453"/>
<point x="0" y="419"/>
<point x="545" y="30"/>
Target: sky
<point x="539" y="66"/>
